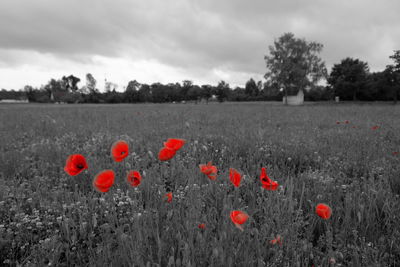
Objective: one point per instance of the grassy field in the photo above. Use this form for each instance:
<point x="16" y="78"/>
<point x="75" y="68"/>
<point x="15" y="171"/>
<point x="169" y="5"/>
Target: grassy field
<point x="50" y="218"/>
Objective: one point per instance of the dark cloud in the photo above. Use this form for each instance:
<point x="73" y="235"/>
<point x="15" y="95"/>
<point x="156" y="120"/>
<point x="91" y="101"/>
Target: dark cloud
<point x="196" y="37"/>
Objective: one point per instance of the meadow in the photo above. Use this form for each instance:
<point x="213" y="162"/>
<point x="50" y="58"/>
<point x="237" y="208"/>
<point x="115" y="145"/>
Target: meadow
<point x="48" y="218"/>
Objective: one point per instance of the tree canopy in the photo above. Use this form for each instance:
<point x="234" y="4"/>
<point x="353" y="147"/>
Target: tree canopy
<point x="294" y="64"/>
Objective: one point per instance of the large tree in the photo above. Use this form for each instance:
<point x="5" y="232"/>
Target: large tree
<point x="131" y="94"/>
<point x="251" y="88"/>
<point x="393" y="72"/>
<point x="294" y="64"/>
<point x="348" y="78"/>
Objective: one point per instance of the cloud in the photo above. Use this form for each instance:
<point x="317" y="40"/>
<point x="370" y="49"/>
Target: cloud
<point x="202" y="40"/>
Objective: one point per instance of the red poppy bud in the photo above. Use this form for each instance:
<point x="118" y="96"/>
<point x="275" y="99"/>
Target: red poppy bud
<point x="323" y="211"/>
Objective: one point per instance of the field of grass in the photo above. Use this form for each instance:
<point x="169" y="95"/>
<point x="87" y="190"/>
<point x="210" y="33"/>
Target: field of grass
<point x="50" y="218"/>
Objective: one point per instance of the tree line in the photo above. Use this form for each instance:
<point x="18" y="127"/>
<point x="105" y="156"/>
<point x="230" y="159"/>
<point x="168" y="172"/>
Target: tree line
<point x="293" y="64"/>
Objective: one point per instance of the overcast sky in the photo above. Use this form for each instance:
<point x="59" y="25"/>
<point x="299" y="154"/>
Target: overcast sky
<point x="172" y="40"/>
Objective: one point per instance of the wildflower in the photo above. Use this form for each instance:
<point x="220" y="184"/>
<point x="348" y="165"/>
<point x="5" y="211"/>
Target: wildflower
<point x="209" y="170"/>
<point x="238" y="218"/>
<point x="119" y="150"/>
<point x="277" y="240"/>
<point x="174" y="143"/>
<point x="166" y="154"/>
<point x="395" y="153"/>
<point x="346" y="121"/>
<point x="235" y="177"/>
<point x="75" y="164"/>
<point x="337" y="122"/>
<point x="323" y="211"/>
<point x="375" y="127"/>
<point x="202" y="226"/>
<point x="134" y="178"/>
<point x="169" y="197"/>
<point x="267" y="183"/>
<point x="104" y="180"/>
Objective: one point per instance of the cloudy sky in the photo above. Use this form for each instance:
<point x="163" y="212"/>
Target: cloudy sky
<point x="172" y="40"/>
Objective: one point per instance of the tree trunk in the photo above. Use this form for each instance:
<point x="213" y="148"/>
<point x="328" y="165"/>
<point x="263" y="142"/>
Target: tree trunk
<point x="286" y="97"/>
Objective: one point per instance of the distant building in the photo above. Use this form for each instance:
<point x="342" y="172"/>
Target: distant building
<point x="295" y="100"/>
<point x="14" y="101"/>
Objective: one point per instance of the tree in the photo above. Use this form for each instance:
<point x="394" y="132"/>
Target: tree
<point x="70" y="82"/>
<point x="206" y="92"/>
<point x="348" y="78"/>
<point x="394" y="71"/>
<point x="91" y="83"/>
<point x="186" y="86"/>
<point x="30" y="93"/>
<point x="294" y="64"/>
<point x="222" y="91"/>
<point x="131" y="94"/>
<point x="110" y="86"/>
<point x="251" y="88"/>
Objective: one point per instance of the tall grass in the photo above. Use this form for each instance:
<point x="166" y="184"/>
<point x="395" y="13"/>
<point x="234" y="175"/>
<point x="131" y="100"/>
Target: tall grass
<point x="50" y="218"/>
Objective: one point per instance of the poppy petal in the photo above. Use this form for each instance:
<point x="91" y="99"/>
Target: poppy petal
<point x="104" y="180"/>
<point x="174" y="143"/>
<point x="235" y="177"/>
<point x="166" y="154"/>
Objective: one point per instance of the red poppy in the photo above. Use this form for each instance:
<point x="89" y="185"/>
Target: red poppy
<point x="169" y="197"/>
<point x="235" y="177"/>
<point x="104" y="180"/>
<point x="375" y="127"/>
<point x="238" y="218"/>
<point x="174" y="143"/>
<point x="277" y="240"/>
<point x="323" y="211"/>
<point x="337" y="122"/>
<point x="346" y="121"/>
<point x="166" y="154"/>
<point x="75" y="164"/>
<point x="119" y="150"/>
<point x="134" y="178"/>
<point x="395" y="153"/>
<point x="209" y="170"/>
<point x="267" y="183"/>
<point x="202" y="226"/>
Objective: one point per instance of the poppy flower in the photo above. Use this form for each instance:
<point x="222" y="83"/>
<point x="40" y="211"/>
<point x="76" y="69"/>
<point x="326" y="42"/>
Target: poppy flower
<point x="202" y="226"/>
<point x="323" y="211"/>
<point x="235" y="177"/>
<point x="104" y="180"/>
<point x="395" y="153"/>
<point x="277" y="240"/>
<point x="375" y="127"/>
<point x="166" y="154"/>
<point x="174" y="143"/>
<point x="134" y="178"/>
<point x="238" y="218"/>
<point x="209" y="170"/>
<point x="119" y="150"/>
<point x="169" y="197"/>
<point x="267" y="183"/>
<point x="337" y="122"/>
<point x="75" y="164"/>
<point x="346" y="121"/>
